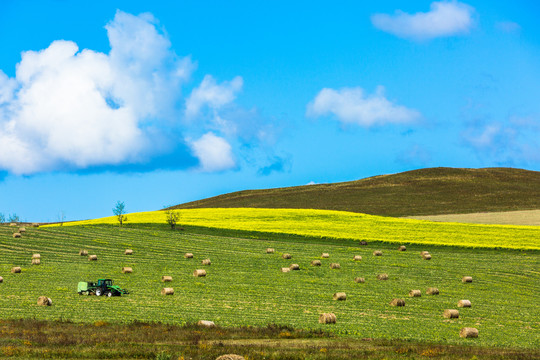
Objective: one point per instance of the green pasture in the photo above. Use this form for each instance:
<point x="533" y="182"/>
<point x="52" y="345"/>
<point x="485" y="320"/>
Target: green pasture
<point x="244" y="285"/>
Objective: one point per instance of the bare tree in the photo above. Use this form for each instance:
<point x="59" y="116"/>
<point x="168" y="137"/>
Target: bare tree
<point x="2" y="218"/>
<point x="13" y="218"/>
<point x="61" y="218"/>
<point x="119" y="210"/>
<point x="172" y="218"/>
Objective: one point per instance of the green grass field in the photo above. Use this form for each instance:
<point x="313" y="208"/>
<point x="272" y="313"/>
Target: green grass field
<point x="245" y="287"/>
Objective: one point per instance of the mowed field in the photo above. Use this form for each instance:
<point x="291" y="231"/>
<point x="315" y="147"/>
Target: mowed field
<point x="245" y="287"/>
<point x="523" y="217"/>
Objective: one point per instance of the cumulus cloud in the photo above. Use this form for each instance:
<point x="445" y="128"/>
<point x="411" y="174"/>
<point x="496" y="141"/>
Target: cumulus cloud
<point x="214" y="153"/>
<point x="353" y="106"/>
<point x="211" y="94"/>
<point x="69" y="108"/>
<point x="445" y="18"/>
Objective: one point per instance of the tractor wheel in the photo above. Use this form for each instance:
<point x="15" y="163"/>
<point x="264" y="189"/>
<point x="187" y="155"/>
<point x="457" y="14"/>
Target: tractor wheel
<point x="109" y="294"/>
<point x="99" y="292"/>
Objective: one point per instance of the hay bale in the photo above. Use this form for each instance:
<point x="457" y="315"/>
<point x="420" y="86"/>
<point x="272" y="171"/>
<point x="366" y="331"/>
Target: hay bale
<point x="415" y="293"/>
<point x="16" y="270"/>
<point x="360" y="280"/>
<point x="13" y="224"/>
<point x="127" y="270"/>
<point x="36" y="261"/>
<point x="377" y="253"/>
<point x="44" y="301"/>
<point x="188" y="255"/>
<point x="422" y="253"/>
<point x="325" y="255"/>
<point x="335" y="266"/>
<point x="432" y="291"/>
<point x="206" y="262"/>
<point x="286" y="256"/>
<point x="327" y="318"/>
<point x="206" y="323"/>
<point x="35" y="225"/>
<point x="36" y="256"/>
<point x="316" y="263"/>
<point x="17" y="235"/>
<point x="402" y="248"/>
<point x="363" y="242"/>
<point x="357" y="258"/>
<point x="22" y="230"/>
<point x="199" y="273"/>
<point x="92" y="258"/>
<point x="427" y="257"/>
<point x="1" y="279"/>
<point x="83" y="252"/>
<point x="340" y="296"/>
<point x="382" y="277"/>
<point x="167" y="291"/>
<point x="397" y="302"/>
<point x="451" y="314"/>
<point x="230" y="357"/>
<point x="294" y="267"/>
<point x="464" y="303"/>
<point x="285" y="270"/>
<point x="269" y="251"/>
<point x="466" y="279"/>
<point x="468" y="332"/>
<point x="128" y="252"/>
<point x="166" y="278"/>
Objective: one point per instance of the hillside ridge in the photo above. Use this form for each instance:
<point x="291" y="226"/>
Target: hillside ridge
<point x="429" y="191"/>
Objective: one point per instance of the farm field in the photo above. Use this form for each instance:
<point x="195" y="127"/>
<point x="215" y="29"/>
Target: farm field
<point x="346" y="225"/>
<point x="244" y="285"/>
<point x="523" y="217"/>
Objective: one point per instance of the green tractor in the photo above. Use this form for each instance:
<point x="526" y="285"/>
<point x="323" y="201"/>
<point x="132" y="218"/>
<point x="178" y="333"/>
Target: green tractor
<point x="101" y="287"/>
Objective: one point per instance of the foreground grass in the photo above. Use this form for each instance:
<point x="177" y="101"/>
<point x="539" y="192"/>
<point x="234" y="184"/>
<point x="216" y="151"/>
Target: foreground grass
<point x="245" y="287"/>
<point x="57" y="339"/>
<point x="346" y="225"/>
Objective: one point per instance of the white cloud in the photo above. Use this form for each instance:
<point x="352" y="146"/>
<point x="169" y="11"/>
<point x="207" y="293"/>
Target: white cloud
<point x="67" y="108"/>
<point x="213" y="95"/>
<point x="214" y="153"/>
<point x="445" y="18"/>
<point x="508" y="27"/>
<point x="352" y="106"/>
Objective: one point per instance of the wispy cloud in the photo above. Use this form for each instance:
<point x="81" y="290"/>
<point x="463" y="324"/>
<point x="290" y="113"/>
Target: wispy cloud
<point x="445" y="18"/>
<point x="353" y="106"/>
<point x="213" y="95"/>
<point x="508" y="27"/>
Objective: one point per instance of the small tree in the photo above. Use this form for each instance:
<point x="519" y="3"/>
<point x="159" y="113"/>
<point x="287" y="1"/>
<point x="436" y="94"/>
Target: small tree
<point x="119" y="211"/>
<point x="172" y="218"/>
<point x="2" y="218"/>
<point x="61" y="218"/>
<point x="13" y="218"/>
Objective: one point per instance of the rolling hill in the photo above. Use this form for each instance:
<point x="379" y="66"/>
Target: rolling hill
<point x="429" y="191"/>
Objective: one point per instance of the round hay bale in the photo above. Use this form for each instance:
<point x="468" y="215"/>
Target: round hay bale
<point x="128" y="252"/>
<point x="340" y="296"/>
<point x="206" y="262"/>
<point x="464" y="303"/>
<point x="327" y="318"/>
<point x="1" y="279"/>
<point x="286" y="256"/>
<point x="22" y="230"/>
<point x="36" y="261"/>
<point x="377" y="253"/>
<point x="402" y="248"/>
<point x="360" y="280"/>
<point x="316" y="263"/>
<point x="294" y="267"/>
<point x="44" y="301"/>
<point x="13" y="224"/>
<point x="382" y="277"/>
<point x="166" y="278"/>
<point x="188" y="255"/>
<point x="16" y="270"/>
<point x="83" y="252"/>
<point x="285" y="270"/>
<point x="199" y="273"/>
<point x="432" y="291"/>
<point x="422" y="253"/>
<point x="269" y="251"/>
<point x="92" y="258"/>
<point x="36" y="256"/>
<point x="335" y="266"/>
<point x="451" y="314"/>
<point x="127" y="270"/>
<point x="206" y="323"/>
<point x="415" y="293"/>
<point x="357" y="258"/>
<point x="426" y="257"/>
<point x="468" y="332"/>
<point x="325" y="255"/>
<point x="466" y="279"/>
<point x="35" y="225"/>
<point x="17" y="235"/>
<point x="397" y="302"/>
<point x="363" y="242"/>
<point x="230" y="357"/>
<point x="167" y="291"/>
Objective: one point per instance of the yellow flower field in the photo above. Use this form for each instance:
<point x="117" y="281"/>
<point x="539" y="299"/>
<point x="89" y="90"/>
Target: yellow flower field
<point x="345" y="225"/>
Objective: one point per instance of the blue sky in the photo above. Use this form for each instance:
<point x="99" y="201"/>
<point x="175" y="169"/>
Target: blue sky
<point x="160" y="103"/>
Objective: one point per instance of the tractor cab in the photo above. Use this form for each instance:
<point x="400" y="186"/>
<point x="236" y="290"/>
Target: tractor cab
<point x="104" y="283"/>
